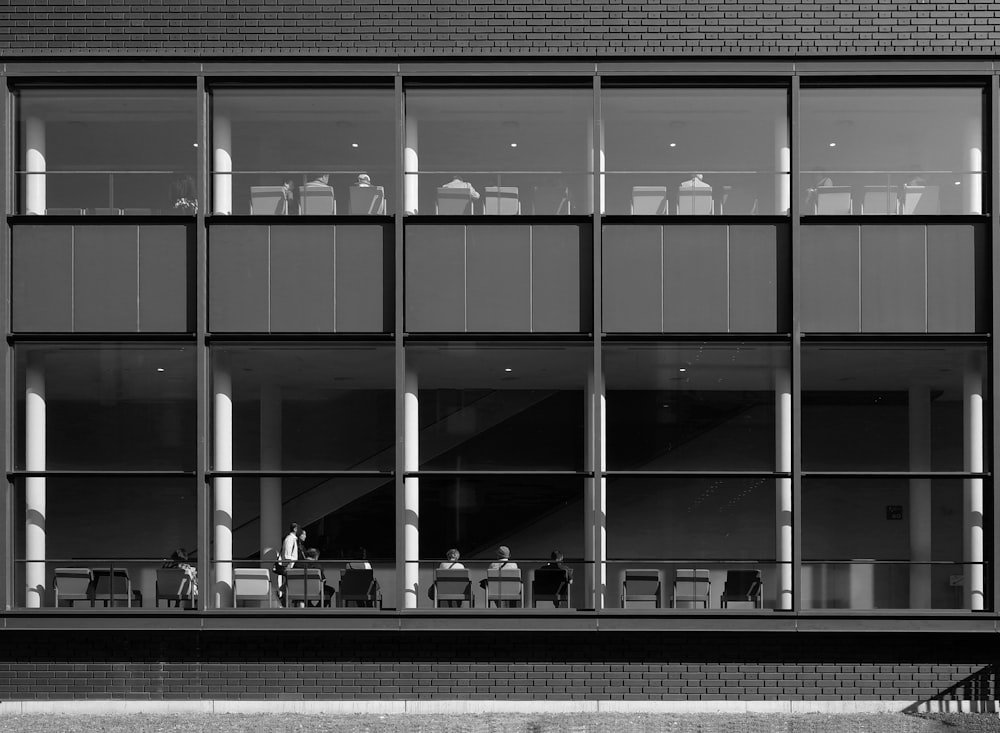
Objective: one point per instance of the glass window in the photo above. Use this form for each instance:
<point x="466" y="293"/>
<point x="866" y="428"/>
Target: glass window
<point x="105" y="407"/>
<point x="696" y="151"/>
<point x="892" y="151"/>
<point x="498" y="151"/>
<point x="300" y="407"/>
<point x="675" y="407"/>
<point x="906" y="547"/>
<point x="106" y="151"/>
<point x="500" y="407"/>
<point x="303" y="151"/>
<point x="899" y="407"/>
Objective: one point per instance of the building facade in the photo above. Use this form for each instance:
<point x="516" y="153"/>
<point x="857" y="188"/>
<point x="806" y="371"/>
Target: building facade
<point x="699" y="296"/>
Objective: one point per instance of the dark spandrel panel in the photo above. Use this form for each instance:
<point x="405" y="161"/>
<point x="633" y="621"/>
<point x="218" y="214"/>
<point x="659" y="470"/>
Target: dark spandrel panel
<point x="956" y="279"/>
<point x="753" y="278"/>
<point x="893" y="279"/>
<point x="498" y="268"/>
<point x="105" y="286"/>
<point x="830" y="287"/>
<point x="362" y="278"/>
<point x="560" y="275"/>
<point x="435" y="278"/>
<point x="238" y="279"/>
<point x="42" y="278"/>
<point x="302" y="277"/>
<point x="165" y="283"/>
<point x="632" y="279"/>
<point x="695" y="279"/>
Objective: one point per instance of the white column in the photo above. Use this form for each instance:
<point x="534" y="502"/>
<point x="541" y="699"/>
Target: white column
<point x="920" y="509"/>
<point x="34" y="160"/>
<point x="34" y="488"/>
<point x="270" y="486"/>
<point x="782" y="166"/>
<point x="972" y="182"/>
<point x="972" y="503"/>
<point x="411" y="192"/>
<point x="596" y="494"/>
<point x="222" y="189"/>
<point x="222" y="434"/>
<point x="411" y="491"/>
<point x="783" y="498"/>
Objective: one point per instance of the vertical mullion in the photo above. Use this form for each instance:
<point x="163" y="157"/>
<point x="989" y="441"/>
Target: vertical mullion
<point x="203" y="357"/>
<point x="400" y="357"/>
<point x="993" y="135"/>
<point x="8" y="503"/>
<point x="596" y="467"/>
<point x="796" y="346"/>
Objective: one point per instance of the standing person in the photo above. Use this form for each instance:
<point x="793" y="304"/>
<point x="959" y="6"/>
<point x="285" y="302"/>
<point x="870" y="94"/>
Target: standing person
<point x="288" y="556"/>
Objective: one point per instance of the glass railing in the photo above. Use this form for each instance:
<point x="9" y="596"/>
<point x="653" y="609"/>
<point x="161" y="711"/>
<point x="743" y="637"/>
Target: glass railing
<point x="504" y="193"/>
<point x="106" y="193"/>
<point x="369" y="192"/>
<point x="704" y="193"/>
<point x="846" y="193"/>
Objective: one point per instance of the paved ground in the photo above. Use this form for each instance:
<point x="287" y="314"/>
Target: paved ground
<point x="569" y="723"/>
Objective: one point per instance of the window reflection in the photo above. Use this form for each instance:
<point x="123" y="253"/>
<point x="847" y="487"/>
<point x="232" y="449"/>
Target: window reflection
<point x="891" y="151"/>
<point x="106" y="151"/>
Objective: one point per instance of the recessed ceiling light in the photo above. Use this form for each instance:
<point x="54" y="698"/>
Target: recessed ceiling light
<point x="160" y="369"/>
<point x="682" y="369"/>
<point x="508" y="369"/>
<point x="513" y="145"/>
<point x="673" y="145"/>
<point x="354" y="145"/>
<point x="194" y="145"/>
<point x="958" y="183"/>
<point x="833" y="145"/>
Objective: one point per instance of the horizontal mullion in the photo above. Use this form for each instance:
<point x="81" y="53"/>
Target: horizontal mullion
<point x="895" y="474"/>
<point x="492" y="472"/>
<point x="700" y="474"/>
<point x="103" y="473"/>
<point x="332" y="473"/>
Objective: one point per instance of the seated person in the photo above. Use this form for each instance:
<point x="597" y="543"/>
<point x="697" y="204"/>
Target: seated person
<point x="360" y="561"/>
<point x="503" y="562"/>
<point x="323" y="179"/>
<point x="696" y="181"/>
<point x="556" y="563"/>
<point x="312" y="561"/>
<point x="364" y="180"/>
<point x="451" y="561"/>
<point x="812" y="194"/>
<point x="180" y="559"/>
<point x="457" y="182"/>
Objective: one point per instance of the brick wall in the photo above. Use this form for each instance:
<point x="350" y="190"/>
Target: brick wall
<point x="501" y="28"/>
<point x="488" y="665"/>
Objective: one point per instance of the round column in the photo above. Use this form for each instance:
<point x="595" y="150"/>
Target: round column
<point x="411" y="491"/>
<point x="596" y="493"/>
<point x="782" y="166"/>
<point x="222" y="434"/>
<point x="34" y="487"/>
<point x="783" y="498"/>
<point x="34" y="159"/>
<point x="222" y="162"/>
<point x="411" y="165"/>
<point x="973" y="500"/>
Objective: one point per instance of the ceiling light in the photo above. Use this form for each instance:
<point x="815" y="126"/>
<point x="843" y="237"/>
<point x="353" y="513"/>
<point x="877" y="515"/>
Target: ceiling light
<point x="833" y="145"/>
<point x="354" y="145"/>
<point x="673" y="145"/>
<point x="160" y="369"/>
<point x="682" y="369"/>
<point x="508" y="369"/>
<point x="513" y="145"/>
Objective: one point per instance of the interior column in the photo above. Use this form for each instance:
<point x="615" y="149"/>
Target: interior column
<point x="783" y="498"/>
<point x="596" y="494"/>
<point x="782" y="166"/>
<point x="411" y="166"/>
<point x="222" y="434"/>
<point x="411" y="491"/>
<point x="222" y="161"/>
<point x="920" y="497"/>
<point x="972" y="500"/>
<point x="972" y="183"/>
<point x="270" y="486"/>
<point x="34" y="487"/>
<point x="34" y="160"/>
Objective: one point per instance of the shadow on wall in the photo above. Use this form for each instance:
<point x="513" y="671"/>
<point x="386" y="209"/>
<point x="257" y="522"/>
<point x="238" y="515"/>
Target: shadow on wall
<point x="977" y="693"/>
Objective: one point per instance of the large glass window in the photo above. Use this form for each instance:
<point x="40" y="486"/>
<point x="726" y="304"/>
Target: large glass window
<point x="892" y="151"/>
<point x="696" y="151"/>
<point x="498" y="151"/>
<point x="106" y="151"/>
<point x="303" y="151"/>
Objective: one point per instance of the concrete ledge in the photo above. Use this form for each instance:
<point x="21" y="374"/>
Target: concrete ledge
<point x="464" y="707"/>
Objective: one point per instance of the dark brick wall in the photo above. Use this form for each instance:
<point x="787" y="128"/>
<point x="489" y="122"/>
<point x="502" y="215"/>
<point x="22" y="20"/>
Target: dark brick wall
<point x="488" y="665"/>
<point x="501" y="28"/>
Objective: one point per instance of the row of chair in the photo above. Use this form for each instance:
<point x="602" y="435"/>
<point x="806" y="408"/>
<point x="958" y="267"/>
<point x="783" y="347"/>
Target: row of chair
<point x="839" y="200"/>
<point x="317" y="200"/>
<point x="503" y="587"/>
<point x="107" y="586"/>
<point x="307" y="587"/>
<point x="692" y="586"/>
<point x="503" y="200"/>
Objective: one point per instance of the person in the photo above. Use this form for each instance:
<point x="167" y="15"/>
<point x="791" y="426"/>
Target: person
<point x="364" y="180"/>
<point x="697" y="180"/>
<point x="503" y="561"/>
<point x="457" y="182"/>
<point x="184" y="195"/>
<point x="288" y="193"/>
<point x="311" y="556"/>
<point x="451" y="561"/>
<point x="180" y="559"/>
<point x="360" y="561"/>
<point x="555" y="563"/>
<point x="323" y="179"/>
<point x="288" y="556"/>
<point x="823" y="180"/>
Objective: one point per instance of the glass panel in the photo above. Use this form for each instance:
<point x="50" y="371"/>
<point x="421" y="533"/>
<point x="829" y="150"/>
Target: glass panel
<point x="898" y="407"/>
<point x="533" y="516"/>
<point x="299" y="407"/>
<point x="346" y="521"/>
<point x="892" y="151"/>
<point x="725" y="526"/>
<point x="499" y="151"/>
<point x="292" y="151"/>
<point x="906" y="547"/>
<point x="696" y="151"/>
<point x="500" y="407"/>
<point x="106" y="151"/>
<point x="106" y="407"/>
<point x="692" y="406"/>
<point x="101" y="528"/>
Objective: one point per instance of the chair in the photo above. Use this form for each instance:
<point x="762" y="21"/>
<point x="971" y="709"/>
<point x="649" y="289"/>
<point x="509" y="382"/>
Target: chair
<point x="454" y="201"/>
<point x="65" y="211"/>
<point x="252" y="584"/>
<point x="72" y="585"/>
<point x="738" y="201"/>
<point x="359" y="586"/>
<point x="174" y="586"/>
<point x="112" y="586"/>
<point x="501" y="200"/>
<point x="742" y="586"/>
<point x="104" y="211"/>
<point x="305" y="586"/>
<point x="692" y="586"/>
<point x="504" y="585"/>
<point x="921" y="200"/>
<point x="452" y="587"/>
<point x="833" y="200"/>
<point x="551" y="200"/>
<point x="880" y="200"/>
<point x="268" y="200"/>
<point x="551" y="584"/>
<point x="648" y="200"/>
<point x="641" y="586"/>
<point x="695" y="201"/>
<point x="366" y="201"/>
<point x="317" y="200"/>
